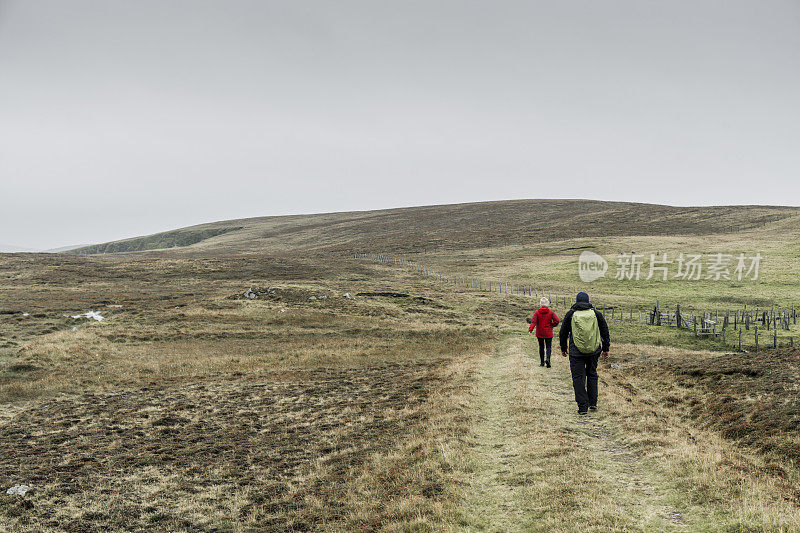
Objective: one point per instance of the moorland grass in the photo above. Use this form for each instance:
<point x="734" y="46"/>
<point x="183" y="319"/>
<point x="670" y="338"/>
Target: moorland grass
<point x="191" y="407"/>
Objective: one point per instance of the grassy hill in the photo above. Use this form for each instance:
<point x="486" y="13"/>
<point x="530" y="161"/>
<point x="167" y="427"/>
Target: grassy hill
<point x="451" y="227"/>
<point x="362" y="413"/>
<point x="327" y="405"/>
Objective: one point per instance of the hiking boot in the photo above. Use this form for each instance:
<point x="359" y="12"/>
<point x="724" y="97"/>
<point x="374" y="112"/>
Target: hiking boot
<point x="548" y="364"/>
<point x="593" y="408"/>
<point x="582" y="411"/>
<point x="541" y="364"/>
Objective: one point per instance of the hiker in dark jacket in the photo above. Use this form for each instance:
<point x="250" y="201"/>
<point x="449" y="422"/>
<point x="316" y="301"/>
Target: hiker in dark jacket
<point x="583" y="337"/>
<point x="544" y="320"/>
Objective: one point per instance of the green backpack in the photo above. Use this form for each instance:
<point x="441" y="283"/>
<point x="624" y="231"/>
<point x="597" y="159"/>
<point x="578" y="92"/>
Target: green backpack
<point x="585" y="331"/>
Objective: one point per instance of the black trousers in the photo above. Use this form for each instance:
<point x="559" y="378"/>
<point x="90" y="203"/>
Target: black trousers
<point x="584" y="379"/>
<point x="545" y="346"/>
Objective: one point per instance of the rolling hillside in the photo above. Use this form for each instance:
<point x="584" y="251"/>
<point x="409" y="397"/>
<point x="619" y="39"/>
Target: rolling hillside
<point x="450" y="227"/>
<point x="355" y="396"/>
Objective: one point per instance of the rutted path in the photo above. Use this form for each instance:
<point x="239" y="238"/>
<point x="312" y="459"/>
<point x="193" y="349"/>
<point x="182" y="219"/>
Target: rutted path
<point x="534" y="465"/>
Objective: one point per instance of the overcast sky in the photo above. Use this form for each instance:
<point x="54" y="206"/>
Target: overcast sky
<point x="122" y="118"/>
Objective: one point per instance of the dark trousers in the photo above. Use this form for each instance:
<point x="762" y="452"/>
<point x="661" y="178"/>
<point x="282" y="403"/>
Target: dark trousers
<point x="584" y="379"/>
<point x="545" y="346"/>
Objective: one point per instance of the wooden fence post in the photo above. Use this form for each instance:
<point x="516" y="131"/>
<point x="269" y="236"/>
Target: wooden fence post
<point x="756" y="336"/>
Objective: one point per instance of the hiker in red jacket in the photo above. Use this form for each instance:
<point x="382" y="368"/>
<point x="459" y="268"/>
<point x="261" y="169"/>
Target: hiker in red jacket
<point x="544" y="320"/>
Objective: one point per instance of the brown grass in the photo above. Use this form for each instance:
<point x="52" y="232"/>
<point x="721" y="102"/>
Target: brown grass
<point x="191" y="408"/>
<point x="751" y="399"/>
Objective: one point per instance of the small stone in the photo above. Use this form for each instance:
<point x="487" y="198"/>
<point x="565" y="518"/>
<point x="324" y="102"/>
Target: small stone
<point x="312" y="298"/>
<point x="19" y="490"/>
<point x="615" y="365"/>
<point x="250" y="294"/>
<point x="91" y="314"/>
<point x="347" y="295"/>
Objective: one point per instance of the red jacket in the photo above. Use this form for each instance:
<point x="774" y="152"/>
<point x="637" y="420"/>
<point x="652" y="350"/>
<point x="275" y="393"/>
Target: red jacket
<point x="544" y="320"/>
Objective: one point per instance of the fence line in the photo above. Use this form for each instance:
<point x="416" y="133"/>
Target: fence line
<point x="713" y="325"/>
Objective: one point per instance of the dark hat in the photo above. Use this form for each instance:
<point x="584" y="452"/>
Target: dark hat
<point x="582" y="297"/>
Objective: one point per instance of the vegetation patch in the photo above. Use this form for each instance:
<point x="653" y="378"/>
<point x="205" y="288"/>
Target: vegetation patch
<point x="170" y="239"/>
<point x="247" y="446"/>
<point x="749" y="398"/>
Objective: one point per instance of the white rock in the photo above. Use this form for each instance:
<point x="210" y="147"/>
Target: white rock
<point x="347" y="295"/>
<point x="19" y="490"/>
<point x="91" y="314"/>
<point x="250" y="294"/>
<point x="615" y="365"/>
<point x="312" y="298"/>
<point x="26" y="314"/>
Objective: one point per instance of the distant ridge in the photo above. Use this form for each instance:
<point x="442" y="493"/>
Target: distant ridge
<point x="9" y="249"/>
<point x="65" y="248"/>
<point x="448" y="227"/>
<point x="159" y="241"/>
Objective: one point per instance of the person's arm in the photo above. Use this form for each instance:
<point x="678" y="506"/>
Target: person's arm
<point x="563" y="333"/>
<point x="604" y="334"/>
<point x="533" y="324"/>
<point x="554" y="319"/>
